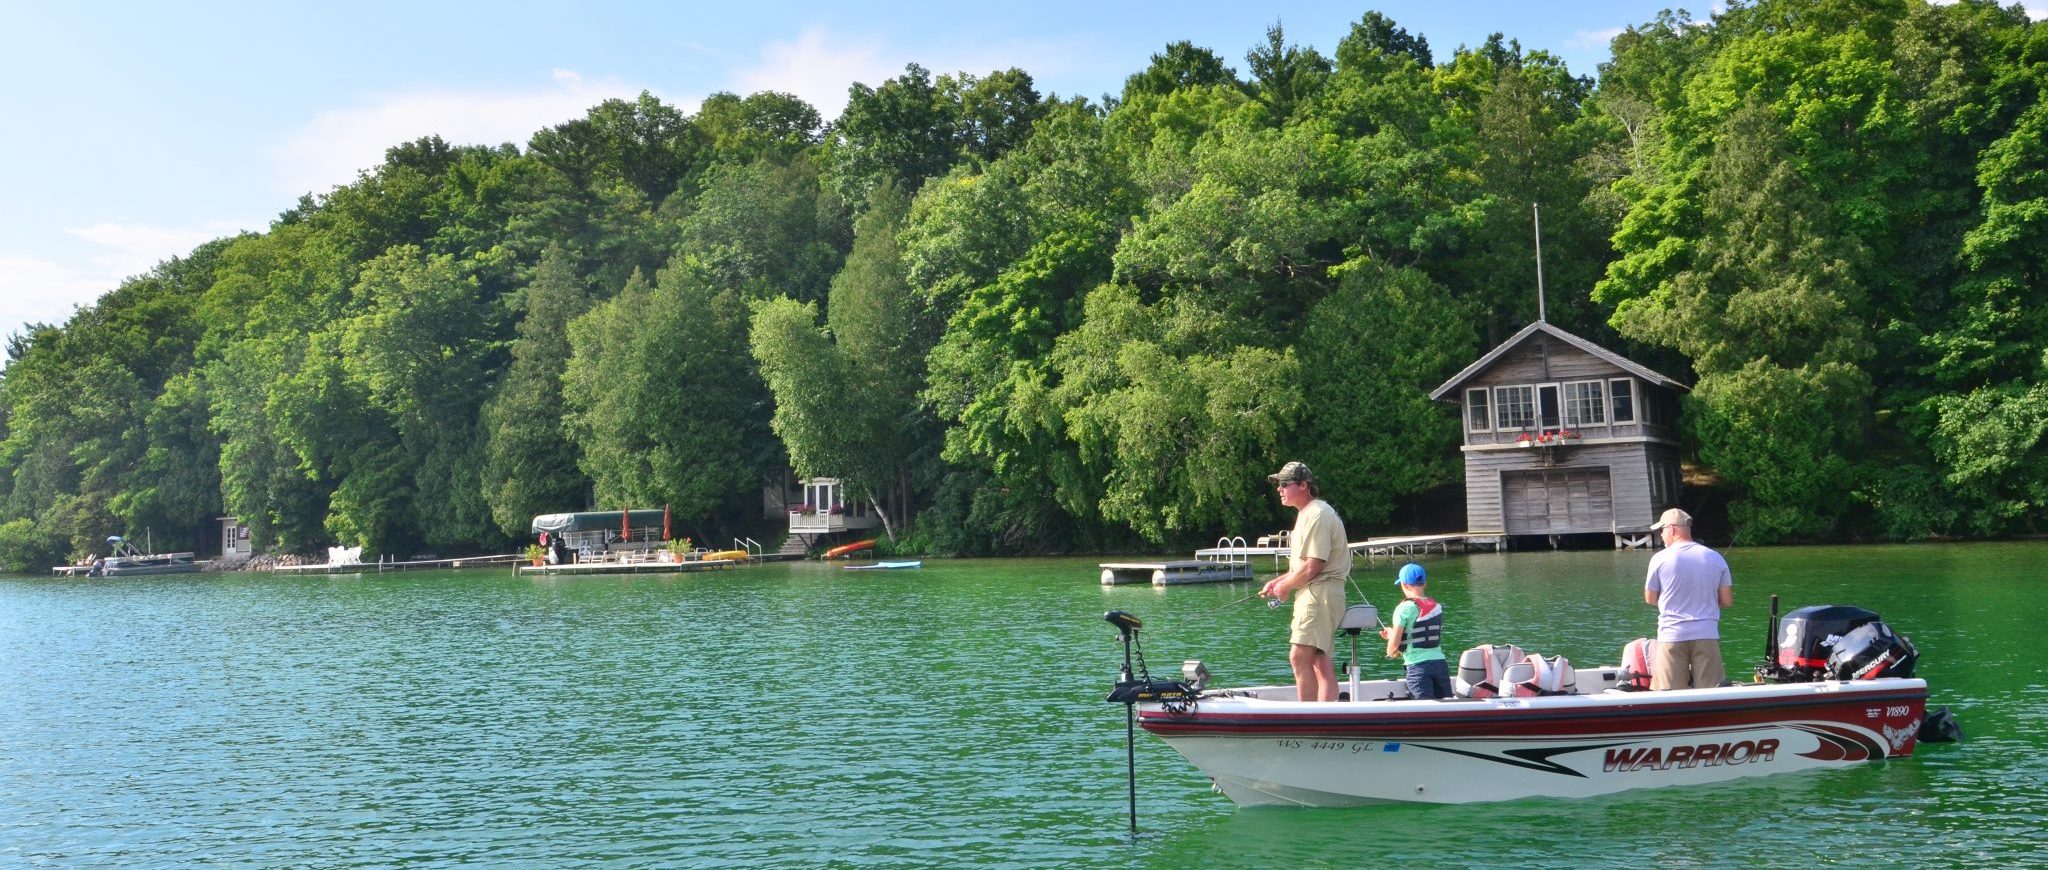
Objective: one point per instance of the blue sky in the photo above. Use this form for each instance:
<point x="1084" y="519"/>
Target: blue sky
<point x="137" y="130"/>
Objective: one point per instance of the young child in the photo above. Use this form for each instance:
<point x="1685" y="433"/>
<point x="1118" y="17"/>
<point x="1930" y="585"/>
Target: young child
<point x="1416" y="636"/>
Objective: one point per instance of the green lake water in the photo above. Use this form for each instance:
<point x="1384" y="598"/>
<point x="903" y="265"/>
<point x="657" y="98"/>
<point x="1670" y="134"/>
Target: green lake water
<point x="800" y="715"/>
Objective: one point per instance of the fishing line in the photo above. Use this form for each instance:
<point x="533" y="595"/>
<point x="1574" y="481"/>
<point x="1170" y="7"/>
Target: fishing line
<point x="1271" y="603"/>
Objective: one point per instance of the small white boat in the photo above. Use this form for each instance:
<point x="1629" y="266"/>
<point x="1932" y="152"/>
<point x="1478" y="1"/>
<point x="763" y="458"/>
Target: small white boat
<point x="879" y="566"/>
<point x="1589" y="735"/>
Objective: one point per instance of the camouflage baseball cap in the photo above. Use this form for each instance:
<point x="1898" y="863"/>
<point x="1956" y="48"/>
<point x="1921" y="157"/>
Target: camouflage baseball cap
<point x="1291" y="472"/>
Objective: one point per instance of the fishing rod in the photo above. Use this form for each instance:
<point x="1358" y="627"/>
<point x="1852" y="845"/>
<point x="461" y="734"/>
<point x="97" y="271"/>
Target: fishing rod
<point x="1271" y="603"/>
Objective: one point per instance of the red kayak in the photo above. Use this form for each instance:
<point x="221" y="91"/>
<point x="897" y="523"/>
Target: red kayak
<point x="849" y="549"/>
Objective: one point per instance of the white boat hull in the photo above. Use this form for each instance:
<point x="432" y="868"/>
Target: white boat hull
<point x="1262" y="751"/>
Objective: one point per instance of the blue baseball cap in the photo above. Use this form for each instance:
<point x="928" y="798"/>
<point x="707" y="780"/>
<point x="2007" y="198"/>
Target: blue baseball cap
<point x="1411" y="575"/>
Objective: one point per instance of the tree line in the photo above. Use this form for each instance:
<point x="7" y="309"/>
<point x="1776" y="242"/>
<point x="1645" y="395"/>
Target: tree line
<point x="1018" y="322"/>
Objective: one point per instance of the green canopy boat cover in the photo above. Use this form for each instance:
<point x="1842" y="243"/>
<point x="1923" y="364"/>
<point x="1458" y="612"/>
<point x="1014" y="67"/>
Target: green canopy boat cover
<point x="593" y="521"/>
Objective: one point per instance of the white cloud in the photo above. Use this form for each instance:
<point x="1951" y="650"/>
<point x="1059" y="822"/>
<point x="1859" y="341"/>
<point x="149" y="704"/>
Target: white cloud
<point x="132" y="249"/>
<point x="1590" y="39"/>
<point x="40" y="291"/>
<point x="817" y="69"/>
<point x="335" y="145"/>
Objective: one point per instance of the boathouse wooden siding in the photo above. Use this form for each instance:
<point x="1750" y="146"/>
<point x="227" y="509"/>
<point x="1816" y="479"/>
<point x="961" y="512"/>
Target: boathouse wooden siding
<point x="1562" y="436"/>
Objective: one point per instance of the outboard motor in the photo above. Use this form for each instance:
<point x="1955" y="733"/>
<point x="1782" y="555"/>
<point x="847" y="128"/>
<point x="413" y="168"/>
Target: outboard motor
<point x="1837" y="642"/>
<point x="1834" y="642"/>
<point x="1869" y="651"/>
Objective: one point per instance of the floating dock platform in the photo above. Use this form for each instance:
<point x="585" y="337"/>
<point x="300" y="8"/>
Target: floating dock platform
<point x="1230" y="560"/>
<point x="1174" y="573"/>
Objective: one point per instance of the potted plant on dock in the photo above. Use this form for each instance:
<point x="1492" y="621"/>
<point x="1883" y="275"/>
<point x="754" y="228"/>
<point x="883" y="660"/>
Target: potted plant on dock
<point x="678" y="549"/>
<point x="536" y="554"/>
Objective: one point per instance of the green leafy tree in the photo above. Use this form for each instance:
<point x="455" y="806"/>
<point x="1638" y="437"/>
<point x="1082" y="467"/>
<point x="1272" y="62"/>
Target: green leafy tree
<point x="760" y="229"/>
<point x="1770" y="314"/>
<point x="1989" y="351"/>
<point x="1172" y="412"/>
<point x="1370" y="354"/>
<point x="645" y="143"/>
<point x="1182" y="66"/>
<point x="176" y="486"/>
<point x="530" y="463"/>
<point x="657" y="407"/>
<point x="883" y="332"/>
<point x="767" y="125"/>
<point x="1523" y="111"/>
<point x="421" y="352"/>
<point x="1376" y="44"/>
<point x="1285" y="76"/>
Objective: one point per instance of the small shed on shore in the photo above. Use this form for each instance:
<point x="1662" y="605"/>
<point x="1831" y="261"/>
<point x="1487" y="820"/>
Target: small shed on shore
<point x="1563" y="436"/>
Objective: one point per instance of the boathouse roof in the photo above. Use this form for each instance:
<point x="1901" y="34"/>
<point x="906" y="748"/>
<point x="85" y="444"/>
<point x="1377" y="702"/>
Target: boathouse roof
<point x="1526" y="333"/>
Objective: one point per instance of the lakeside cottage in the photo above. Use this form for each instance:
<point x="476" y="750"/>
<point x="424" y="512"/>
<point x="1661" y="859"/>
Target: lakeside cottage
<point x="1565" y="437"/>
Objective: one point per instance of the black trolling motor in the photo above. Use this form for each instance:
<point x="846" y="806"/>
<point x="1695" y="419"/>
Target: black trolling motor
<point x="1139" y="685"/>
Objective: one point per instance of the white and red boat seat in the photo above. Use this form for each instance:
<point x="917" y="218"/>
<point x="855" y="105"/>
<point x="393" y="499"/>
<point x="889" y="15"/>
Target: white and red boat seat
<point x="1480" y="669"/>
<point x="1537" y="675"/>
<point x="1636" y="659"/>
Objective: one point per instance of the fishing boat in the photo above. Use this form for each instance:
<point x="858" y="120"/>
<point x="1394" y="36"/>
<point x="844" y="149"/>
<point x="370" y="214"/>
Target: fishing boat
<point x="127" y="561"/>
<point x="1839" y="692"/>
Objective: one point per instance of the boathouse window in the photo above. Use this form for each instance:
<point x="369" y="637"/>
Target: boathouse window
<point x="1546" y="405"/>
<point x="1514" y="407"/>
<point x="1583" y="405"/>
<point x="1622" y="390"/>
<point x="1475" y="410"/>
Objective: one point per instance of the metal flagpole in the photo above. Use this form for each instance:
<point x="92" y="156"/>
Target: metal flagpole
<point x="1537" y="211"/>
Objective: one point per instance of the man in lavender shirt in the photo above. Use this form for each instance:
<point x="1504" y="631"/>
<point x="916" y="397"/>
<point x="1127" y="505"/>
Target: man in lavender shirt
<point x="1689" y="585"/>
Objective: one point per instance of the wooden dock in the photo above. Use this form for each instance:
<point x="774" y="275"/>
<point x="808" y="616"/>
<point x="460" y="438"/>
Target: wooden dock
<point x="582" y="568"/>
<point x="380" y="566"/>
<point x="1412" y="545"/>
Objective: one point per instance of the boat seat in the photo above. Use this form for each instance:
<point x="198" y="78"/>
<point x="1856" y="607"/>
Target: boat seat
<point x="1637" y="658"/>
<point x="1480" y="669"/>
<point x="1359" y="617"/>
<point x="1536" y="675"/>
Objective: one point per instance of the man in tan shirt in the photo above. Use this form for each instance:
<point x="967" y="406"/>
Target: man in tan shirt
<point x="1320" y="562"/>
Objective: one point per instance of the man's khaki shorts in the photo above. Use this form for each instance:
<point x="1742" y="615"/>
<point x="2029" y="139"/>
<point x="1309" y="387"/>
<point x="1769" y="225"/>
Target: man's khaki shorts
<point x="1318" y="608"/>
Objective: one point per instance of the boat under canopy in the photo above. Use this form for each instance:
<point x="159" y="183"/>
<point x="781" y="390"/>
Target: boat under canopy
<point x="150" y="563"/>
<point x="128" y="561"/>
<point x="597" y="521"/>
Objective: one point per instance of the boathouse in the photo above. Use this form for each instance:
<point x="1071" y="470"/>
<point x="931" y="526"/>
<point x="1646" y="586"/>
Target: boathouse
<point x="823" y="509"/>
<point x="1564" y="437"/>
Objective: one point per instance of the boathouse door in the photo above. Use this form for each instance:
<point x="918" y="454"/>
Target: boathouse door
<point x="1555" y="501"/>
